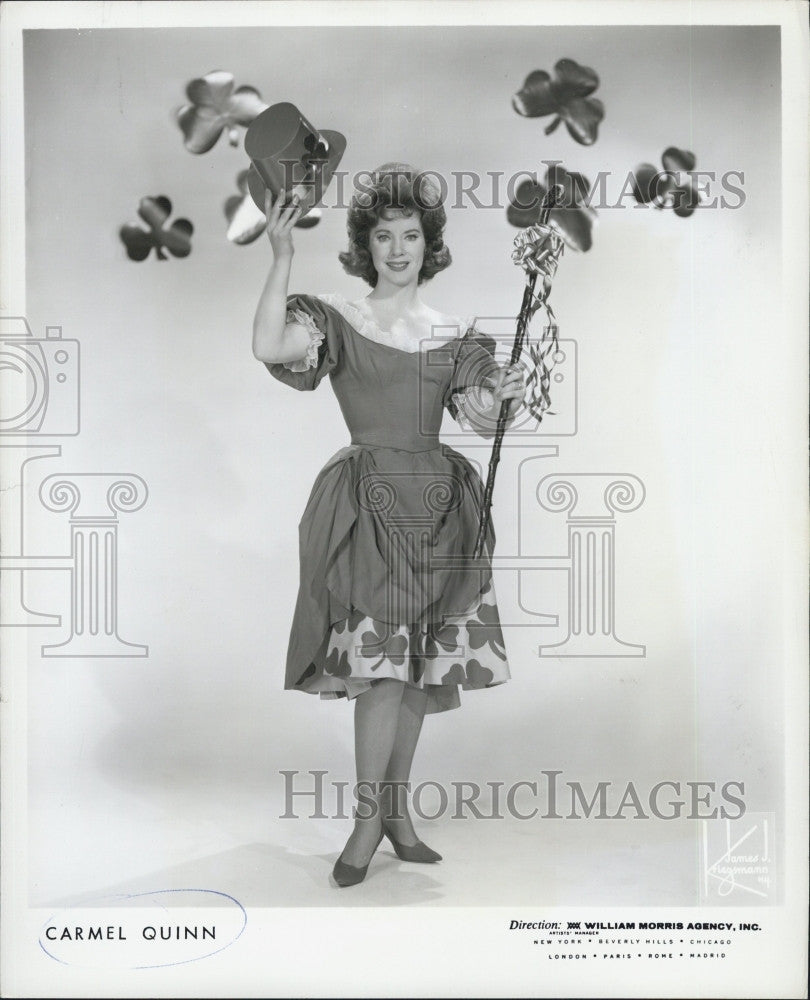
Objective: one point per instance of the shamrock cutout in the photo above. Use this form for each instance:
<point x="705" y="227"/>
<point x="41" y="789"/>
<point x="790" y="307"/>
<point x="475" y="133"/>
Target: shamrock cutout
<point x="316" y="153"/>
<point x="215" y="106"/>
<point x="337" y="664"/>
<point x="565" y="97"/>
<point x="445" y="636"/>
<point x="176" y="238"/>
<point x="384" y="643"/>
<point x="572" y="217"/>
<point x="246" y="221"/>
<point x="662" y="188"/>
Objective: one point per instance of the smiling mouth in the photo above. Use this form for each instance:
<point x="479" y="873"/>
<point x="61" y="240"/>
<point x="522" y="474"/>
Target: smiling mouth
<point x="397" y="265"/>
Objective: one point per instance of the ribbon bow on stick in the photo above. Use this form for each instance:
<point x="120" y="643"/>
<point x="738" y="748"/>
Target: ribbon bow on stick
<point x="537" y="250"/>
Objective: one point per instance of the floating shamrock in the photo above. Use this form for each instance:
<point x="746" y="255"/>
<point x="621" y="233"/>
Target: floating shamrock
<point x="572" y="217"/>
<point x="215" y="106"/>
<point x="247" y="221"/>
<point x="662" y="187"/>
<point x="176" y="238"/>
<point x="566" y="97"/>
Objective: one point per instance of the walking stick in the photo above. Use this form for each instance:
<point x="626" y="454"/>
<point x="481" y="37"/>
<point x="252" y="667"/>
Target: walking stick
<point x="525" y="314"/>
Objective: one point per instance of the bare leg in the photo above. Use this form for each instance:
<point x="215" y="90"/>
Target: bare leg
<point x="376" y="714"/>
<point x="409" y="726"/>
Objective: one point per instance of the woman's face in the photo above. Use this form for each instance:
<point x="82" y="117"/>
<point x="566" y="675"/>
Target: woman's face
<point x="397" y="247"/>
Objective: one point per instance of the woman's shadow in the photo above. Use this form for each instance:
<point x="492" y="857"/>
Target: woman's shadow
<point x="268" y="874"/>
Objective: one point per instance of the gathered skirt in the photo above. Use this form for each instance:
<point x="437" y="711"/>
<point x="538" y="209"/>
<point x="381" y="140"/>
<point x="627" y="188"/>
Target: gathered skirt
<point x="388" y="588"/>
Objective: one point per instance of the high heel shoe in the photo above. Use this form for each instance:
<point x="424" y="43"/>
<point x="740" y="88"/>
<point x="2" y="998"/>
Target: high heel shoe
<point x="417" y="852"/>
<point x="346" y="875"/>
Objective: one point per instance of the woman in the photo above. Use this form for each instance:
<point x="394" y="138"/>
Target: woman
<point x="391" y="610"/>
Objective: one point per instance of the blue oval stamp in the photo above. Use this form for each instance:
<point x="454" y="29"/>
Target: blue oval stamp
<point x="148" y="930"/>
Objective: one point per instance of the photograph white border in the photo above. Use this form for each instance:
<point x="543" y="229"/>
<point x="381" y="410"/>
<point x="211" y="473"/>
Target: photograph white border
<point x="450" y="952"/>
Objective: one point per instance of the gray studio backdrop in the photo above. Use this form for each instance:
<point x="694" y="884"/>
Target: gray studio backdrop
<point x="677" y="342"/>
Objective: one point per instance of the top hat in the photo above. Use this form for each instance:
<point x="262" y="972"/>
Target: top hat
<point x="287" y="152"/>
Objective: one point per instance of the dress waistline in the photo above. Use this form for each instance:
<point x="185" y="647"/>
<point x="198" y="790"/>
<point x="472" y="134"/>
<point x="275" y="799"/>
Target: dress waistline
<point x="391" y="446"/>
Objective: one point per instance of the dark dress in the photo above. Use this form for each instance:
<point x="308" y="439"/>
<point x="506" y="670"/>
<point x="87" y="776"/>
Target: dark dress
<point x="386" y="585"/>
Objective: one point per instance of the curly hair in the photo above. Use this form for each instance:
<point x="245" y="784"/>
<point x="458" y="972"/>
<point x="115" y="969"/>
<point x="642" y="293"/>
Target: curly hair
<point x="395" y="189"/>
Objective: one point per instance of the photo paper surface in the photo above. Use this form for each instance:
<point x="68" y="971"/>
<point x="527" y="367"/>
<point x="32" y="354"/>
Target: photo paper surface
<point x="613" y="763"/>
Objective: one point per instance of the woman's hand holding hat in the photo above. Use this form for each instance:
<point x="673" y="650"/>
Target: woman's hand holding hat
<point x="287" y="151"/>
<point x="280" y="222"/>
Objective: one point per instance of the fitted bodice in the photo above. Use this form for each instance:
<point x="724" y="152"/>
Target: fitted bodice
<point x="391" y="389"/>
<point x="390" y="398"/>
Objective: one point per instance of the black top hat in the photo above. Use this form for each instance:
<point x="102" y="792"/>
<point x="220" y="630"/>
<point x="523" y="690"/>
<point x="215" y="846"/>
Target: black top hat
<point x="287" y="152"/>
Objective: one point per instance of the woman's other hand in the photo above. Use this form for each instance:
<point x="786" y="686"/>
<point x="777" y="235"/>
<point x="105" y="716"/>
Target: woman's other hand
<point x="483" y="403"/>
<point x="509" y="384"/>
<point x="280" y="223"/>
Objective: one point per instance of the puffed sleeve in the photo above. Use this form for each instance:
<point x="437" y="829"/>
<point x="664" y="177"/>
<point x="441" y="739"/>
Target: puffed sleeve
<point x="474" y="374"/>
<point x="325" y="341"/>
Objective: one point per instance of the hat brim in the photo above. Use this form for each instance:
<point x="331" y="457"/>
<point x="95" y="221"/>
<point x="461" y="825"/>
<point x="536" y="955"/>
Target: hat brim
<point x="313" y="192"/>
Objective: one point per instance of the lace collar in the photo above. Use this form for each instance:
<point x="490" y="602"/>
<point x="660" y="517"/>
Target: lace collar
<point x="368" y="327"/>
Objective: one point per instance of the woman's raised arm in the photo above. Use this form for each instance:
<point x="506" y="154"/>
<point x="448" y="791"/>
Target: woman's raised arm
<point x="274" y="339"/>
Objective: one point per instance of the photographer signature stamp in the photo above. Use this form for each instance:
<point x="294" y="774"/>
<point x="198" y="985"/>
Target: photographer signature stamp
<point x="738" y="860"/>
